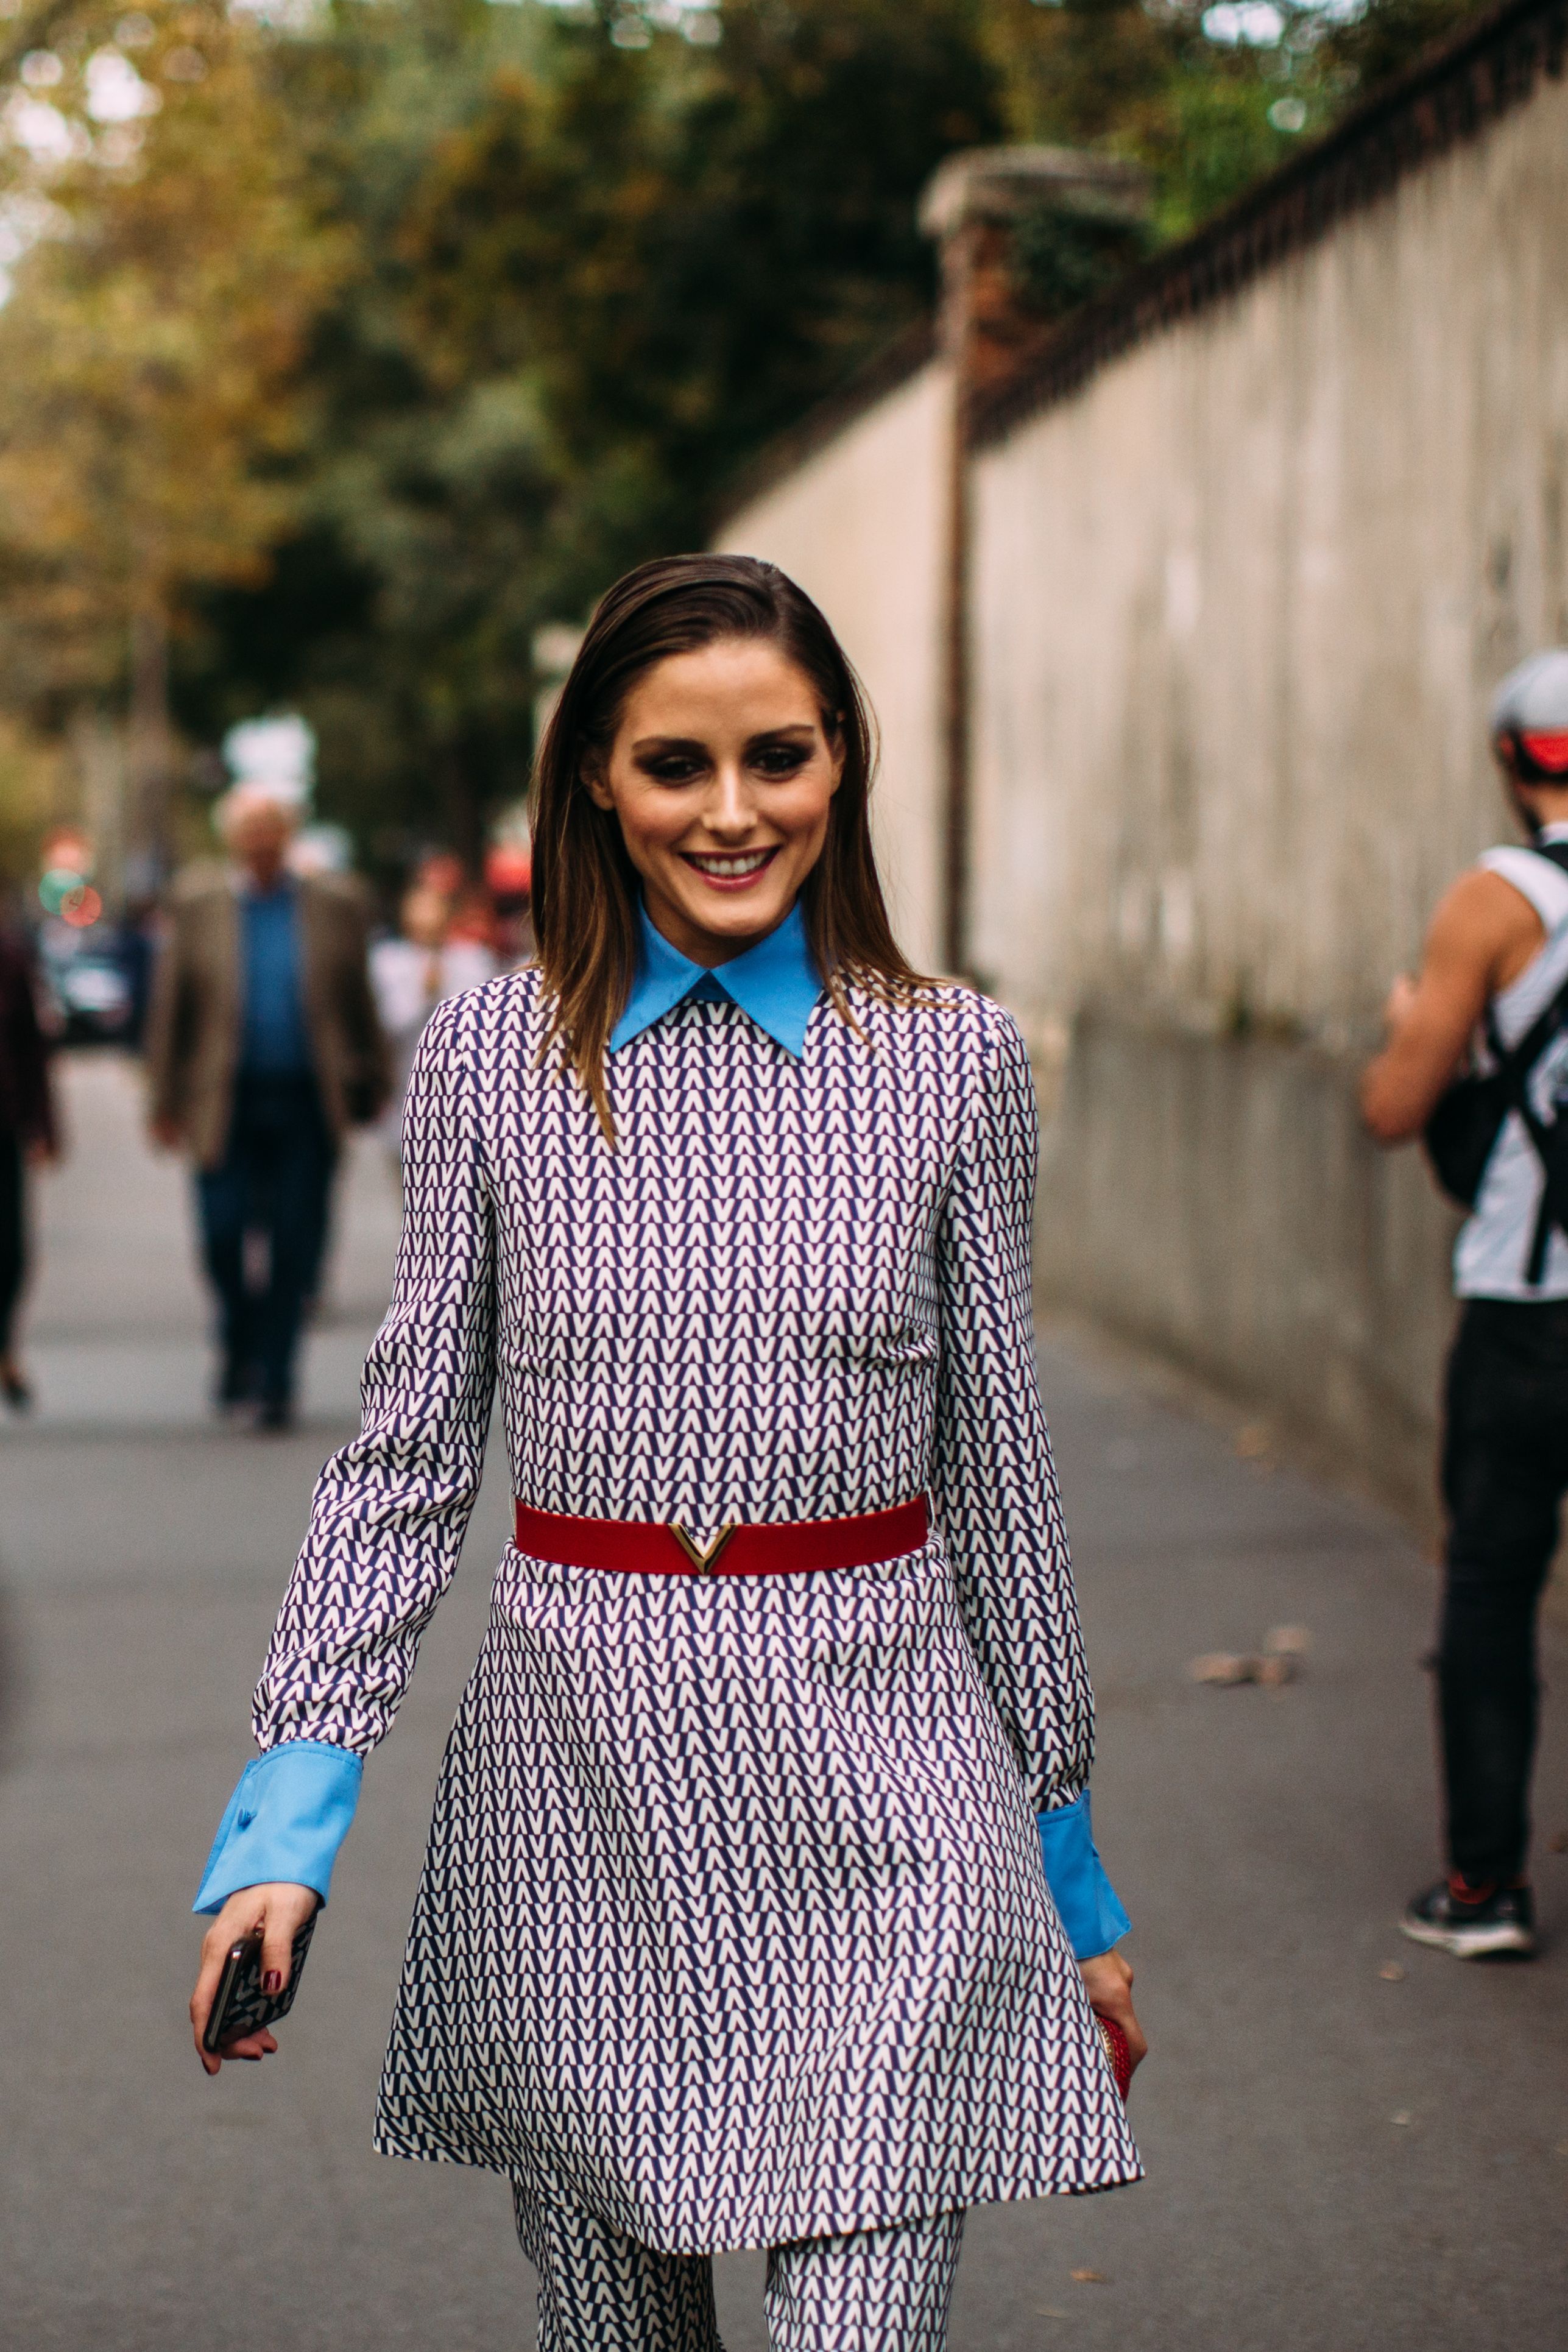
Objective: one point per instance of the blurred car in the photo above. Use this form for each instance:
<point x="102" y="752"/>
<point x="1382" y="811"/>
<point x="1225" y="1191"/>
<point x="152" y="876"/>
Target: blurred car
<point x="89" y="978"/>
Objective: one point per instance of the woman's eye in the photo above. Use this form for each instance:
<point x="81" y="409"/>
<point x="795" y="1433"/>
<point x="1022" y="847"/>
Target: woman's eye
<point x="782" y="760"/>
<point x="676" y="768"/>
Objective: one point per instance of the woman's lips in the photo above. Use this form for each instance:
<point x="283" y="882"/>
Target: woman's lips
<point x="729" y="872"/>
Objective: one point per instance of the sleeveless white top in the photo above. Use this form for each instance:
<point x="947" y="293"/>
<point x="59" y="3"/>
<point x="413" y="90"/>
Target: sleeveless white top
<point x="1493" y="1249"/>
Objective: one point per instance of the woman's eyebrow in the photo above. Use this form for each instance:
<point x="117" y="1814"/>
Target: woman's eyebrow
<point x="648" y="746"/>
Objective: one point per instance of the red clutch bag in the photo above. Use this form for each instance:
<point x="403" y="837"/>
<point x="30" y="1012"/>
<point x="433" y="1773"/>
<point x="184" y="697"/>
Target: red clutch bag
<point x="1118" y="2056"/>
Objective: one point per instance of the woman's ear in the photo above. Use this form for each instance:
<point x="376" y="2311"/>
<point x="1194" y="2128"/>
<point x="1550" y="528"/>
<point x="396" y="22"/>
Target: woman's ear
<point x="836" y="746"/>
<point x="596" y="784"/>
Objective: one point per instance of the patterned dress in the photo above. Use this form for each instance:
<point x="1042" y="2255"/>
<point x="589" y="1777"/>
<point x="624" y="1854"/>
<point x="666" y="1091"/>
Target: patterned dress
<point x="732" y="1928"/>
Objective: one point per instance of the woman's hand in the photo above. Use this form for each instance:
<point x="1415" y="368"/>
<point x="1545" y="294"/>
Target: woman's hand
<point x="1108" y="1981"/>
<point x="278" y="1912"/>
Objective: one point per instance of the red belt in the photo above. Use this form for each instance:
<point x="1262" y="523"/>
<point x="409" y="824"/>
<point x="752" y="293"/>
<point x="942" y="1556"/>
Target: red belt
<point x="785" y="1547"/>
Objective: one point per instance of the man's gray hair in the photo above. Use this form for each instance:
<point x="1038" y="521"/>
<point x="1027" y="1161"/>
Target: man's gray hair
<point x="241" y="798"/>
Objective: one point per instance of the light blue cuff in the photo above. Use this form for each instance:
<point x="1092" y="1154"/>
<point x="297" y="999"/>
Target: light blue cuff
<point x="285" y="1822"/>
<point x="1085" y="1898"/>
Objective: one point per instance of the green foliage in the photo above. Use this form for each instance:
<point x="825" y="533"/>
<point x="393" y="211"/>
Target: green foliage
<point x="403" y="327"/>
<point x="1210" y="139"/>
<point x="590" y="280"/>
<point x="150" y="384"/>
<point x="1369" y="45"/>
<point x="1157" y="81"/>
<point x="30" y="795"/>
<point x="1060" y="259"/>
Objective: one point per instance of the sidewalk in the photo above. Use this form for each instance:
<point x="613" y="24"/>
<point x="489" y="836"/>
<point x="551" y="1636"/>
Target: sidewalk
<point x="1338" y="2159"/>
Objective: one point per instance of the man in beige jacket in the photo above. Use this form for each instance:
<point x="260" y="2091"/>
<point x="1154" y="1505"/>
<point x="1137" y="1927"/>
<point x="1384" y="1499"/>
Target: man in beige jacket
<point x="263" y="1048"/>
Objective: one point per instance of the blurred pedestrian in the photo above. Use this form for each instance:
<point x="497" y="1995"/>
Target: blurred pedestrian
<point x="509" y="876"/>
<point x="410" y="976"/>
<point x="472" y="918"/>
<point x="735" y="1927"/>
<point x="29" y="1137"/>
<point x="1490" y="1010"/>
<point x="263" y="1048"/>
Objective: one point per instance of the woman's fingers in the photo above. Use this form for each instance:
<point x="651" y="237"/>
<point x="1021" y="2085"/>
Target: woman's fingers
<point x="1126" y="2017"/>
<point x="225" y="1932"/>
<point x="276" y="1914"/>
<point x="278" y="1949"/>
<point x="288" y="1908"/>
<point x="1108" y="1981"/>
<point x="251" y="2046"/>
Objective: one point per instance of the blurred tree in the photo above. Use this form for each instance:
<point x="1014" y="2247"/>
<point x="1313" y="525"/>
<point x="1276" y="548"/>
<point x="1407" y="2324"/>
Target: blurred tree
<point x="163" y="272"/>
<point x="353" y="343"/>
<point x="603" y="251"/>
<point x="601" y="256"/>
<point x="1209" y="97"/>
<point x="31" y="795"/>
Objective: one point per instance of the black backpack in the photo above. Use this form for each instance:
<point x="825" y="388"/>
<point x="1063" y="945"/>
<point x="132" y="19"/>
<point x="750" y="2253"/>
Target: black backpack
<point x="1462" y="1132"/>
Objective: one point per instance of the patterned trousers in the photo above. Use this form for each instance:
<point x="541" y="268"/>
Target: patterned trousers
<point x="599" y="2290"/>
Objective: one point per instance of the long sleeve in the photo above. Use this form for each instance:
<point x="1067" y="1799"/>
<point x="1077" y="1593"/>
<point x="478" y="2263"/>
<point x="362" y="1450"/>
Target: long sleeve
<point x="1088" y="1905"/>
<point x="161" y="1037"/>
<point x="391" y="1509"/>
<point x="994" y="1483"/>
<point x="290" y="1811"/>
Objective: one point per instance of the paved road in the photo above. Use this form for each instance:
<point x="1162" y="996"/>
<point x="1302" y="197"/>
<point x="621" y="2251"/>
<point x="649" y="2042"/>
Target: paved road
<point x="1337" y="2160"/>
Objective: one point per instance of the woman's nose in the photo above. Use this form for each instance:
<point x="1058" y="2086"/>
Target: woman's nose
<point x="729" y="810"/>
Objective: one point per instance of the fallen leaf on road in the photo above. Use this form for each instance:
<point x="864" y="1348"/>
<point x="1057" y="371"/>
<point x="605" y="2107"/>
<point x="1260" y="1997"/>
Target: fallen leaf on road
<point x="1288" y="1640"/>
<point x="1220" y="1666"/>
<point x="1400" y="2119"/>
<point x="1252" y="1440"/>
<point x="1558" y="1841"/>
<point x="1392" y="1973"/>
<point x="1228" y="1671"/>
<point x="1091" y="2278"/>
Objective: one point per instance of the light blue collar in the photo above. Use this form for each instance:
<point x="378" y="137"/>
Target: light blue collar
<point x="774" y="983"/>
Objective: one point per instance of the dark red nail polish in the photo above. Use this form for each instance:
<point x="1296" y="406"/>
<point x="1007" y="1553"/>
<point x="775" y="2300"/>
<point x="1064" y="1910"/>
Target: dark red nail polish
<point x="272" y="1981"/>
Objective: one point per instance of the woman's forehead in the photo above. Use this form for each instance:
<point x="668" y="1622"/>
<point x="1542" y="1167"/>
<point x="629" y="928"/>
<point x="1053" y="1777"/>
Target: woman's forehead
<point x="737" y="684"/>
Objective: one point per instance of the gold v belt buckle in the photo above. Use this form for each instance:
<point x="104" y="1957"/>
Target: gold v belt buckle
<point x="704" y="1558"/>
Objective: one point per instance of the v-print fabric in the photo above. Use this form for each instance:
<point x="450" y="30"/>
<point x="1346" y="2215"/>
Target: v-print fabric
<point x="733" y="1929"/>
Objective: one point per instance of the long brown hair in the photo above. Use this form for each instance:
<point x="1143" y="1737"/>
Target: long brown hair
<point x="585" y="887"/>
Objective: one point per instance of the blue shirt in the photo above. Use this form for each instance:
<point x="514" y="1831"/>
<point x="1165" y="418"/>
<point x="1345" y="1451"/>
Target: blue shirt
<point x="273" y="1039"/>
<point x="775" y="984"/>
<point x="292" y="1808"/>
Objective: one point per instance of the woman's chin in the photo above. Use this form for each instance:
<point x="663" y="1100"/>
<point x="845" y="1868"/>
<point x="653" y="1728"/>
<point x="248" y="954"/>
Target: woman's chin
<point x="730" y="916"/>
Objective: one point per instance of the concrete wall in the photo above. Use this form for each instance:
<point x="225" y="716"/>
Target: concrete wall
<point x="862" y="526"/>
<point x="1238" y="606"/>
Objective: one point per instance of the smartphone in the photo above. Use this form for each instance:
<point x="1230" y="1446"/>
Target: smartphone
<point x="240" y="2006"/>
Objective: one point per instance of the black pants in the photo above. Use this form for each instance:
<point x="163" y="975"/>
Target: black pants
<point x="264" y="1226"/>
<point x="1505" y="1471"/>
<point x="13" y="1231"/>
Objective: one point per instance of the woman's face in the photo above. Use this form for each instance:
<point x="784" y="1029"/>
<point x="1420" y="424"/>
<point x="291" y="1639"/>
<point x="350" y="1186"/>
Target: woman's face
<point x="721" y="775"/>
<point x="425" y="918"/>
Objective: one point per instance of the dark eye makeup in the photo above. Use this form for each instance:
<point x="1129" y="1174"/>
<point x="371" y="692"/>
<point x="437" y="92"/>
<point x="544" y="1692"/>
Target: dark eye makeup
<point x="677" y="765"/>
<point x="773" y="757"/>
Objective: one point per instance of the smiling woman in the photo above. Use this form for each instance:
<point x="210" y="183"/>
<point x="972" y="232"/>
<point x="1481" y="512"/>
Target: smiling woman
<point x="762" y="1904"/>
<point x="711" y="754"/>
<point x="721" y="778"/>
